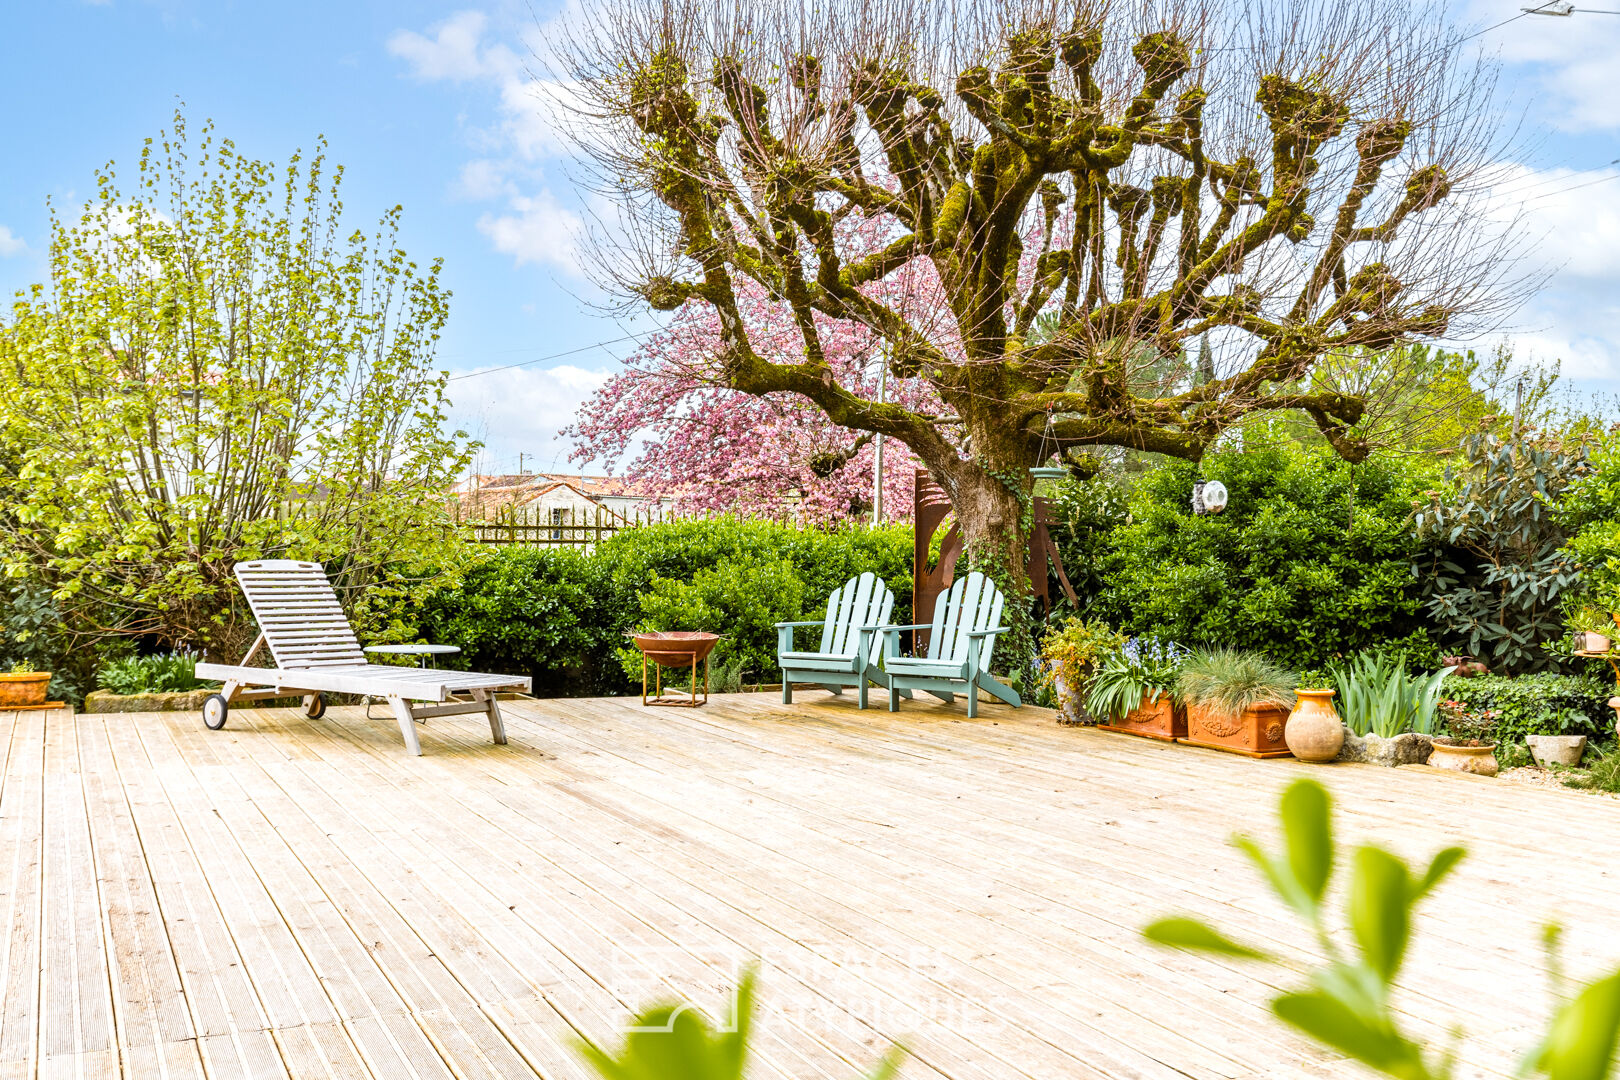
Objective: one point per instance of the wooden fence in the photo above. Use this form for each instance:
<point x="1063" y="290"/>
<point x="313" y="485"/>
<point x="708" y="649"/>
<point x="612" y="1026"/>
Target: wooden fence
<point x="547" y="528"/>
<point x="568" y="528"/>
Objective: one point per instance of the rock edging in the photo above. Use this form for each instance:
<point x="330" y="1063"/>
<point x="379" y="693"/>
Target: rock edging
<point x="1410" y="748"/>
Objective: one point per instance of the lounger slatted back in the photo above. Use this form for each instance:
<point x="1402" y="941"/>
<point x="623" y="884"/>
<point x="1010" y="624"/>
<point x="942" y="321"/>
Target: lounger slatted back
<point x="961" y="640"/>
<point x="316" y="653"/>
<point x="850" y="643"/>
<point x="299" y="614"/>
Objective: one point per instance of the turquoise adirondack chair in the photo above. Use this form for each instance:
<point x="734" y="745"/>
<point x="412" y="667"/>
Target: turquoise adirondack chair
<point x="850" y="644"/>
<point x="960" y="641"/>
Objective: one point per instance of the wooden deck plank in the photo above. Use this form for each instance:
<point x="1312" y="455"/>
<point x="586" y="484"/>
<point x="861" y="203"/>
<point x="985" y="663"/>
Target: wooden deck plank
<point x="465" y="839"/>
<point x="232" y="1032"/>
<point x="76" y="1016"/>
<point x="297" y="898"/>
<point x="22" y="831"/>
<point x="149" y="1001"/>
<point x="309" y="945"/>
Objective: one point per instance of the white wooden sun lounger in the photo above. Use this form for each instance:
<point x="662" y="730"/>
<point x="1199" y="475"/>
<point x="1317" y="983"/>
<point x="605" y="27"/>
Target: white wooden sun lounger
<point x="316" y="654"/>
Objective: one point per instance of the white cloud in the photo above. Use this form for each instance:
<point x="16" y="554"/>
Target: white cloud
<point x="1574" y="219"/>
<point x="1568" y="60"/>
<point x="524" y="409"/>
<point x="483" y="179"/>
<point x="10" y="243"/>
<point x="534" y="226"/>
<point x="539" y="230"/>
<point x="451" y="53"/>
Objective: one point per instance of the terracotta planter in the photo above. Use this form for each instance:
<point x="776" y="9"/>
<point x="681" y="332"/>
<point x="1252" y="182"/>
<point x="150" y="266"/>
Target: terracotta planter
<point x="1160" y="719"/>
<point x="23" y="688"/>
<point x="1258" y="731"/>
<point x="1314" y="731"/>
<point x="1464" y="755"/>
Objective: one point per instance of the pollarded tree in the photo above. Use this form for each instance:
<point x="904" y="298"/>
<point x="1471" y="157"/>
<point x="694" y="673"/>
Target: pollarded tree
<point x="1293" y="179"/>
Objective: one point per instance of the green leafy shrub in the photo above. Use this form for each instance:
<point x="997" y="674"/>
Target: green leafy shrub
<point x="540" y="612"/>
<point x="1541" y="704"/>
<point x="558" y="615"/>
<point x="32" y="633"/>
<point x="170" y="673"/>
<point x="1311" y="561"/>
<point x="1496" y="577"/>
<point x="1377" y="696"/>
<point x="1348" y="1004"/>
<point x="1086" y="512"/>
<point x="740" y="599"/>
<point x="1602" y="774"/>
<point x="1232" y="680"/>
<point x="1590" y="511"/>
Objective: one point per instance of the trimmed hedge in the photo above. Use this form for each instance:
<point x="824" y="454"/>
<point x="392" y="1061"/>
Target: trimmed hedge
<point x="1539" y="704"/>
<point x="559" y="615"/>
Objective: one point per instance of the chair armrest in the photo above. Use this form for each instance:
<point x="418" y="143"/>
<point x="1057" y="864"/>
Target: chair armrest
<point x="813" y="622"/>
<point x="913" y="626"/>
<point x="987" y="633"/>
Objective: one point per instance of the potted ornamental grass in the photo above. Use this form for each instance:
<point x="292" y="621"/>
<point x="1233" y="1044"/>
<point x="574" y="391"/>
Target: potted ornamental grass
<point x="1133" y="690"/>
<point x="1236" y="701"/>
<point x="1071" y="654"/>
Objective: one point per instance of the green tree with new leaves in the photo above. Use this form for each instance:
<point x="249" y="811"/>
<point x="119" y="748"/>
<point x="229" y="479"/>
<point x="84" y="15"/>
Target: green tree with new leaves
<point x="217" y="369"/>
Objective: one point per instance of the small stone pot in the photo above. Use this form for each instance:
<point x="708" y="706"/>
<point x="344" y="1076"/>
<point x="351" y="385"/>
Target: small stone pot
<point x="1464" y="755"/>
<point x="1314" y="731"/>
<point x="1071" y="707"/>
<point x="1588" y="641"/>
<point x="1556" y="749"/>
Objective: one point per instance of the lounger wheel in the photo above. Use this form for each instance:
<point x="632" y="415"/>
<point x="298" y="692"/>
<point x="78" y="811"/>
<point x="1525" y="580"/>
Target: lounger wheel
<point x="215" y="709"/>
<point x="315" y="706"/>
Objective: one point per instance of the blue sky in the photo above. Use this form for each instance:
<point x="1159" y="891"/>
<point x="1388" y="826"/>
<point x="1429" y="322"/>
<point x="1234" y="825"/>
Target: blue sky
<point x="432" y="106"/>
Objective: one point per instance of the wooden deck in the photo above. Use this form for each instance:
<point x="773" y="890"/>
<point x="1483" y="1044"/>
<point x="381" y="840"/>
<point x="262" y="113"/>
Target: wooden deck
<point x="299" y="898"/>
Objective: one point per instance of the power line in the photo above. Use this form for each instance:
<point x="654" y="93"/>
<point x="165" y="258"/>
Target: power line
<point x="543" y="359"/>
<point x="1574" y="187"/>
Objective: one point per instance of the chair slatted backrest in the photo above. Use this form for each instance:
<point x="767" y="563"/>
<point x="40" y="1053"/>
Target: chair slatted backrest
<point x="299" y="614"/>
<point x="860" y="601"/>
<point x="973" y="603"/>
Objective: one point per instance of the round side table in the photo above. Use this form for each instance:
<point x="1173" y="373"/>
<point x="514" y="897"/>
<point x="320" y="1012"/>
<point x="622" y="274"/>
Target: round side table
<point x="426" y="652"/>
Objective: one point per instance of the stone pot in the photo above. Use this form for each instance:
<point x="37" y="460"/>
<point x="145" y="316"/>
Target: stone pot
<point x="1314" y="731"/>
<point x="1410" y="748"/>
<point x="1160" y="718"/>
<point x="1556" y="749"/>
<point x="23" y="688"/>
<point x="1258" y="731"/>
<point x="1587" y="641"/>
<point x="1464" y="755"/>
<point x="1071" y="709"/>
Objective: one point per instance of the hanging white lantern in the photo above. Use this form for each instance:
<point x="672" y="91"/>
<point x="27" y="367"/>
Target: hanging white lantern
<point x="1209" y="497"/>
